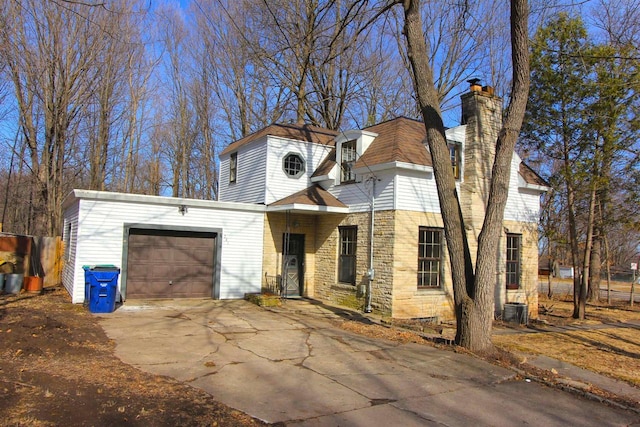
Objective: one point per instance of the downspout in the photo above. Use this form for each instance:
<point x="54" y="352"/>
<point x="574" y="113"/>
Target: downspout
<point x="371" y="271"/>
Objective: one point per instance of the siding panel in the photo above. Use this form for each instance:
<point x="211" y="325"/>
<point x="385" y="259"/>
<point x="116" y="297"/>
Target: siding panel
<point x="70" y="232"/>
<point x="417" y="192"/>
<point x="250" y="184"/>
<point x="279" y="185"/>
<point x="100" y="240"/>
<point x="522" y="205"/>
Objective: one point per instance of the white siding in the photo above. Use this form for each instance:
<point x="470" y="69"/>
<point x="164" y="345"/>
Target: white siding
<point x="522" y="205"/>
<point x="279" y="185"/>
<point x="250" y="182"/>
<point x="385" y="191"/>
<point x="70" y="242"/>
<point x="100" y="238"/>
<point x="358" y="195"/>
<point x="416" y="191"/>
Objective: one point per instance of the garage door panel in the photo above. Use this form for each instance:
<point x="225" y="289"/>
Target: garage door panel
<point x="180" y="256"/>
<point x="192" y="290"/>
<point x="170" y="264"/>
<point x="151" y="289"/>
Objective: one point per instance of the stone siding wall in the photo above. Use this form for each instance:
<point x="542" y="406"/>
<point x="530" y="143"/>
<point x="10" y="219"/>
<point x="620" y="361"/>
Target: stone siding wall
<point x="327" y="286"/>
<point x="394" y="289"/>
<point x="326" y="272"/>
<point x="275" y="227"/>
<point x="384" y="256"/>
<point x="528" y="292"/>
<point x="408" y="300"/>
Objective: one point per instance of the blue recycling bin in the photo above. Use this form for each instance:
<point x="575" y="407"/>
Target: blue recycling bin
<point x="100" y="287"/>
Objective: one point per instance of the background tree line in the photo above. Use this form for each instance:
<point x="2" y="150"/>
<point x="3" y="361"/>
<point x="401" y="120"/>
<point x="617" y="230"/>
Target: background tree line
<point x="582" y="131"/>
<point x="139" y="97"/>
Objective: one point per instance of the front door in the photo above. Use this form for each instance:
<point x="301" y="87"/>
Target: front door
<point x="293" y="264"/>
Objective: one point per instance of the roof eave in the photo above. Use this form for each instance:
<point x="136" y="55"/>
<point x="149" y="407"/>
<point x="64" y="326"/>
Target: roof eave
<point x="534" y="187"/>
<point x="394" y="165"/>
<point x="320" y="178"/>
<point x="304" y="208"/>
<point x="232" y="149"/>
<point x="108" y="196"/>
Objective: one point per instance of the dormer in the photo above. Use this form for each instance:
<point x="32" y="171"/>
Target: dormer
<point x="350" y="145"/>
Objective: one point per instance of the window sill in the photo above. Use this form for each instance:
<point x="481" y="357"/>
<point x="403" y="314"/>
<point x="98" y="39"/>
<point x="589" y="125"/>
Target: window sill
<point x="430" y="290"/>
<point x="344" y="287"/>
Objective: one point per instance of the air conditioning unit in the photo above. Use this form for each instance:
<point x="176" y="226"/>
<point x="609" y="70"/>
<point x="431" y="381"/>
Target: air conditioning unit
<point x="516" y="312"/>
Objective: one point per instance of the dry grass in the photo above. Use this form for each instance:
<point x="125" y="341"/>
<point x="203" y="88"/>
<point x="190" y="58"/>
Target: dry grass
<point x="603" y="344"/>
<point x="59" y="368"/>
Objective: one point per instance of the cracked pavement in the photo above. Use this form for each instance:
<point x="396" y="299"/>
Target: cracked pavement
<point x="293" y="365"/>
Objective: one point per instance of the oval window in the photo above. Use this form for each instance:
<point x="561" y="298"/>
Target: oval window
<point x="293" y="165"/>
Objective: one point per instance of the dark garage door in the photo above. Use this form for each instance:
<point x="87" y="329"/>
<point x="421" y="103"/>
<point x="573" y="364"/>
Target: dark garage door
<point x="170" y="264"/>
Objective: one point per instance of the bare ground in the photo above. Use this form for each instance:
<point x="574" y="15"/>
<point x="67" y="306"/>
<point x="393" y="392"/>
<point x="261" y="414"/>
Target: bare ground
<point x="606" y="342"/>
<point x="59" y="368"/>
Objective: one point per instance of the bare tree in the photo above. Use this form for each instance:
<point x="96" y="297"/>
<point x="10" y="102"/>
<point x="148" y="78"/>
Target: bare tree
<point x="51" y="60"/>
<point x="138" y="75"/>
<point x="106" y="106"/>
<point x="179" y="121"/>
<point x="473" y="289"/>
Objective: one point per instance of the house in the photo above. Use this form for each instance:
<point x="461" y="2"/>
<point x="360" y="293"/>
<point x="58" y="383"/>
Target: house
<point x="349" y="217"/>
<point x="353" y="217"/>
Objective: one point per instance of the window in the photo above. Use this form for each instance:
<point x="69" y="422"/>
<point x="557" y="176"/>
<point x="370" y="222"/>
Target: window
<point x="429" y="257"/>
<point x="293" y="165"/>
<point x="454" y="153"/>
<point x="514" y="244"/>
<point x="233" y="167"/>
<point x="348" y="159"/>
<point x="347" y="260"/>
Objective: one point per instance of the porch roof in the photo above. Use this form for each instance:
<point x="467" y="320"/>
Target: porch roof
<point x="313" y="199"/>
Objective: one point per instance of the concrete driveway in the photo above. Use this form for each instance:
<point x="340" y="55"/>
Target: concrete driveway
<point x="294" y="365"/>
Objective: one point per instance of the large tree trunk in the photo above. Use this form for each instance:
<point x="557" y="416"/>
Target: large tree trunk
<point x="461" y="266"/>
<point x="595" y="271"/>
<point x="584" y="282"/>
<point x="473" y="291"/>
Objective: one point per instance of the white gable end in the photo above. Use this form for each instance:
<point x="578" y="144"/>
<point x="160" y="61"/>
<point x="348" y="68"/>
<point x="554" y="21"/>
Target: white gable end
<point x="279" y="183"/>
<point x="250" y="183"/>
<point x="523" y="203"/>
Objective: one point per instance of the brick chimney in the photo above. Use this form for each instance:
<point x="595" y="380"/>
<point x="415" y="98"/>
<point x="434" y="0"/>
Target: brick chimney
<point x="482" y="113"/>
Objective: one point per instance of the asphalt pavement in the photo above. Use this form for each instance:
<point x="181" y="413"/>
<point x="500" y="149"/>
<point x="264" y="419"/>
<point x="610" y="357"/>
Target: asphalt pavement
<point x="618" y="291"/>
<point x="293" y="364"/>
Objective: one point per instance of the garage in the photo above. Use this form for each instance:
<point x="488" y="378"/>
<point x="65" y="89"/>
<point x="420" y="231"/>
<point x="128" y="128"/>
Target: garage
<point x="165" y="247"/>
<point x="170" y="264"/>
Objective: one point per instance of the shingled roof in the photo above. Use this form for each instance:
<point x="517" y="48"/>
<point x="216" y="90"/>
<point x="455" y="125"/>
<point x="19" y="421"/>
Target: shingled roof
<point x="399" y="140"/>
<point x="327" y="164"/>
<point x="292" y="131"/>
<point x="314" y="195"/>
<point x="530" y="176"/>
